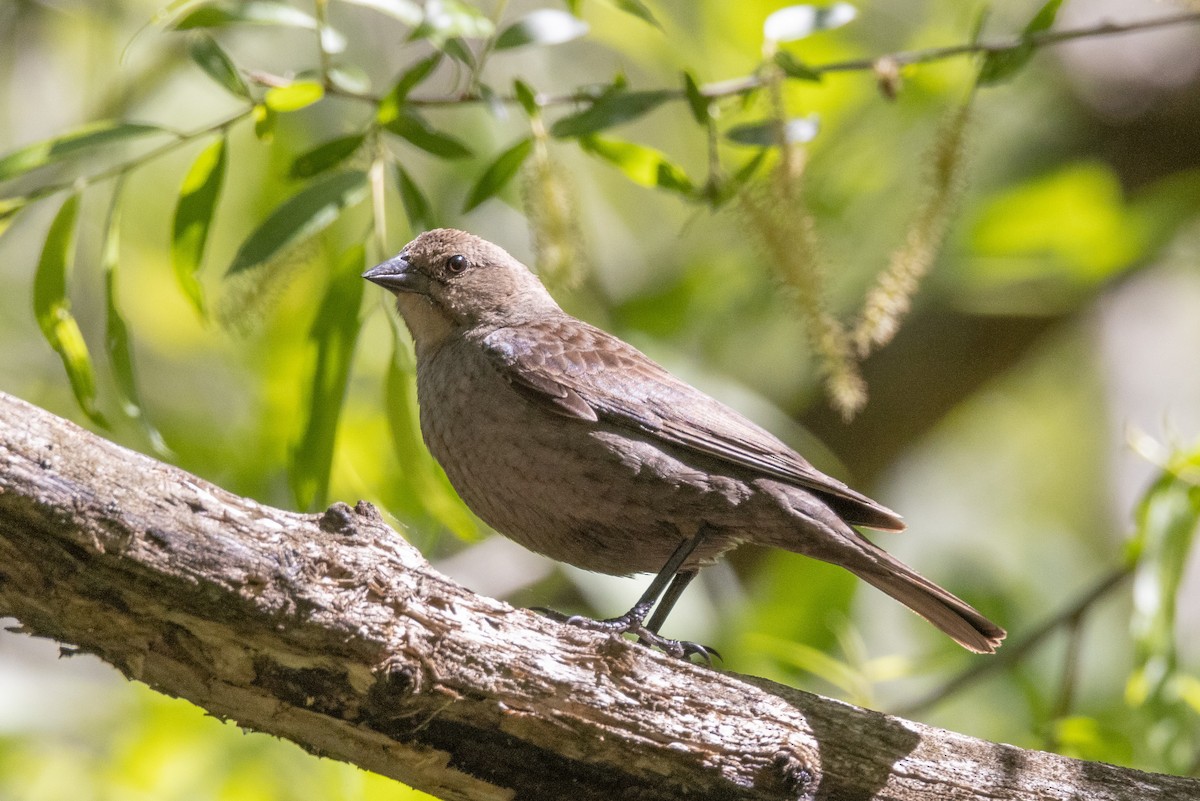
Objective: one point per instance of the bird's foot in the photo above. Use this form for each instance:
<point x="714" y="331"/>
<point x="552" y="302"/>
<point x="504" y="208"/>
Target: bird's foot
<point x="680" y="649"/>
<point x="633" y="622"/>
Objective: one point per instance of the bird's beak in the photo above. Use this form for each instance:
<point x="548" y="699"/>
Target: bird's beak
<point x="398" y="275"/>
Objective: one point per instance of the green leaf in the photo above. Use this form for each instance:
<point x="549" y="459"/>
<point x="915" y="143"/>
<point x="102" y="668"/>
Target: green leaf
<point x="1001" y="65"/>
<point x="762" y="134"/>
<point x="116" y="333"/>
<point x="218" y="65"/>
<point x="611" y="108"/>
<point x="52" y="308"/>
<point x="193" y="218"/>
<point x="264" y="122"/>
<point x="223" y="13"/>
<point x="294" y="96"/>
<point x="637" y="8"/>
<point x="643" y="165"/>
<point x="9" y="207"/>
<point x="393" y="102"/>
<point x="408" y="12"/>
<point x="699" y="105"/>
<point x="457" y="49"/>
<point x="545" y="26"/>
<point x="493" y="102"/>
<point x="325" y="156"/>
<point x="526" y="96"/>
<point x="349" y="78"/>
<point x="416" y="206"/>
<point x="796" y="22"/>
<point x="794" y="68"/>
<point x="1167" y="519"/>
<point x="301" y="216"/>
<point x="334" y="332"/>
<point x="498" y="173"/>
<point x="413" y="127"/>
<point x="52" y="151"/>
<point x="1071" y="228"/>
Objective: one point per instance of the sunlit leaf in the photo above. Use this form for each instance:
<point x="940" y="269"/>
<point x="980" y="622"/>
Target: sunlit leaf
<point x="223" y="13"/>
<point x="294" y="96"/>
<point x="797" y="22"/>
<point x="393" y="101"/>
<point x="1071" y="224"/>
<point x="218" y="65"/>
<point x="635" y="7"/>
<point x="264" y="122"/>
<point x="349" y="78"/>
<point x="546" y="26"/>
<point x="763" y="134"/>
<point x="643" y="165"/>
<point x="334" y="332"/>
<point x="193" y="218"/>
<point x="1167" y="519"/>
<point x="325" y="156"/>
<point x="116" y="333"/>
<point x="611" y="108"/>
<point x="411" y="126"/>
<point x="9" y="207"/>
<point x="416" y="206"/>
<point x="52" y="308"/>
<point x="794" y="68"/>
<point x="800" y="656"/>
<point x="408" y="12"/>
<point x="299" y="217"/>
<point x="1003" y="64"/>
<point x="51" y="151"/>
<point x="498" y="173"/>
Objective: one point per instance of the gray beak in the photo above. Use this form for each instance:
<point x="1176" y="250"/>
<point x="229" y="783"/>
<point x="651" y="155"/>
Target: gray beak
<point x="398" y="275"/>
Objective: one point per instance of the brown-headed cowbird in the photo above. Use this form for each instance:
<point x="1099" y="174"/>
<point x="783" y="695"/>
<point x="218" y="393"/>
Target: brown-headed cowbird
<point x="576" y="445"/>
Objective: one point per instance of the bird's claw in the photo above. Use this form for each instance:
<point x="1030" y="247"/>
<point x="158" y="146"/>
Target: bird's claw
<point x="631" y="623"/>
<point x="680" y="649"/>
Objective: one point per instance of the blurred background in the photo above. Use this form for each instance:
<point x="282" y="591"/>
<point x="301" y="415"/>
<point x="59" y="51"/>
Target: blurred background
<point x="1034" y="419"/>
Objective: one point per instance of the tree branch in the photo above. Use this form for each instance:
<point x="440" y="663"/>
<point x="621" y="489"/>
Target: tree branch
<point x="331" y="631"/>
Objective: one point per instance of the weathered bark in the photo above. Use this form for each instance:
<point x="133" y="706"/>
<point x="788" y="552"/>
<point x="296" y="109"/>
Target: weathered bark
<point x="332" y="631"/>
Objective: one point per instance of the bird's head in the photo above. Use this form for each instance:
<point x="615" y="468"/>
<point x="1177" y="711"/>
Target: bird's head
<point x="449" y="281"/>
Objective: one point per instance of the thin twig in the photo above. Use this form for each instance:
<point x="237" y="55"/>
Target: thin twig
<point x="1015" y="652"/>
<point x="179" y="140"/>
<point x="737" y="86"/>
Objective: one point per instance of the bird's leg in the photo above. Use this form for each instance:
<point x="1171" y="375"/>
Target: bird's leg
<point x="680" y="648"/>
<point x="672" y="579"/>
<point x="632" y="621"/>
<point x="678" y="585"/>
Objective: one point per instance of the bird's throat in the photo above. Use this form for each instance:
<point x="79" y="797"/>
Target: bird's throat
<point x="428" y="323"/>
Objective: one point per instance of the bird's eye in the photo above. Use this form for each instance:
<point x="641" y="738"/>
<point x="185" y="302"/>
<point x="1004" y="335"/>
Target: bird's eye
<point x="457" y="263"/>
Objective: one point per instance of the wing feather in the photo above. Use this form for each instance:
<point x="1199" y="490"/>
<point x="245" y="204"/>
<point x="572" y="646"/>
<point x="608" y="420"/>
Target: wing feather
<point x="580" y="371"/>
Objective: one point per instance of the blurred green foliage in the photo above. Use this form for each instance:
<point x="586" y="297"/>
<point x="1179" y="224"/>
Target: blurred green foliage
<point x="757" y="220"/>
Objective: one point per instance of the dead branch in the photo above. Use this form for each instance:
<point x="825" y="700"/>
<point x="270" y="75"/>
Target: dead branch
<point x="330" y="630"/>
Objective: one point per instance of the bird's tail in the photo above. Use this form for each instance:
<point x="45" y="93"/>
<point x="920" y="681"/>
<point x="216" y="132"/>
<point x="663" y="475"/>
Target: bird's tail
<point x="951" y="614"/>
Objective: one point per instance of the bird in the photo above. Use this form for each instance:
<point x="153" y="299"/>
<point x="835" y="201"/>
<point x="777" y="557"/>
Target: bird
<point x="578" y="446"/>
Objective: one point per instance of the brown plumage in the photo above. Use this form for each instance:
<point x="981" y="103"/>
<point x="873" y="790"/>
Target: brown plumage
<point x="576" y="445"/>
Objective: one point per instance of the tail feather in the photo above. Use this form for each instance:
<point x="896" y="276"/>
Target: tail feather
<point x="951" y="614"/>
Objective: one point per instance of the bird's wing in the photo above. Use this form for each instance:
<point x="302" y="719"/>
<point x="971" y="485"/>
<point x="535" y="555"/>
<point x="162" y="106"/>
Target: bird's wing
<point x="582" y="372"/>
